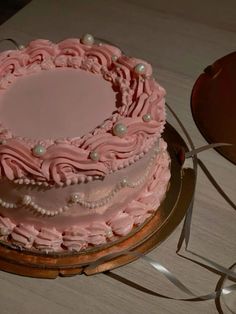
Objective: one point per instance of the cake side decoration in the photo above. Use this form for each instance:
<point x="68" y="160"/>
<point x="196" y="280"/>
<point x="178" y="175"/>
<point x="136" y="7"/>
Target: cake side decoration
<point x="76" y="198"/>
<point x="93" y="234"/>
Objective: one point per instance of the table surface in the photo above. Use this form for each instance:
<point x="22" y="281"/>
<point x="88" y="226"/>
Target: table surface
<point x="179" y="41"/>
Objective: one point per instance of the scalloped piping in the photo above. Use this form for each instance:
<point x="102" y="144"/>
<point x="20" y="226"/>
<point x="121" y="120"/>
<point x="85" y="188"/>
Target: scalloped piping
<point x="85" y="179"/>
<point x="98" y="59"/>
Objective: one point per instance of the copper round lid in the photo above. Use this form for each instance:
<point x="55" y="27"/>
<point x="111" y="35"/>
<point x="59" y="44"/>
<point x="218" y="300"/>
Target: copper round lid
<point x="213" y="104"/>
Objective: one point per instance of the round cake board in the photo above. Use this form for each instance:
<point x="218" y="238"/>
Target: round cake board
<point x="141" y="240"/>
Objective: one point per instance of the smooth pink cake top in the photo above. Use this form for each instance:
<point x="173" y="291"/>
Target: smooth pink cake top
<point x="74" y="110"/>
<point x="55" y="104"/>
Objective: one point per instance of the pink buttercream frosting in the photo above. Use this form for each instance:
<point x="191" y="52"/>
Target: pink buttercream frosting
<point x="67" y="160"/>
<point x="48" y="240"/>
<point x="24" y="235"/>
<point x="104" y="230"/>
<point x="98" y="233"/>
<point x="75" y="238"/>
<point x="6" y="227"/>
<point x="83" y="164"/>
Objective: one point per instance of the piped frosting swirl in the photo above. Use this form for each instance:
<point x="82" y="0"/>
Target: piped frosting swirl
<point x="68" y="161"/>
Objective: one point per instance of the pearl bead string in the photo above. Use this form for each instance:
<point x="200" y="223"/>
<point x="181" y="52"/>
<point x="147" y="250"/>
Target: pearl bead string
<point x="31" y="182"/>
<point x="75" y="197"/>
<point x="27" y="201"/>
<point x="7" y="204"/>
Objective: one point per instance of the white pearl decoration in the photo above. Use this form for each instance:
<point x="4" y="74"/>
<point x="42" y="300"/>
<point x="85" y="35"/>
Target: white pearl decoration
<point x="39" y="150"/>
<point x="7" y="204"/>
<point x="87" y="39"/>
<point x="147" y="117"/>
<point x="26" y="200"/>
<point x="74" y="198"/>
<point x="114" y="58"/>
<point x="140" y="68"/>
<point x="20" y="47"/>
<point x="94" y="155"/>
<point x="124" y="182"/>
<point x="119" y="129"/>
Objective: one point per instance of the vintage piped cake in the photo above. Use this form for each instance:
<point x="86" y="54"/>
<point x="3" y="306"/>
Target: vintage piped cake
<point x="82" y="161"/>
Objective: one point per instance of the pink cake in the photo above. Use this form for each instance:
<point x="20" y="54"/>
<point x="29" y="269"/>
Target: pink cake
<point x="82" y="161"/>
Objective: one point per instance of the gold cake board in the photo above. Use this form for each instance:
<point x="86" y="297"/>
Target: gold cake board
<point x="141" y="240"/>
